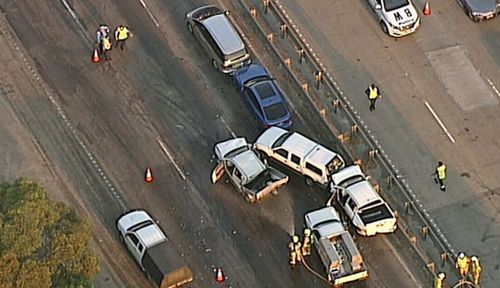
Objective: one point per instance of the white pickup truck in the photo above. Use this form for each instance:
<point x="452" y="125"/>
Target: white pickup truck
<point x="152" y="250"/>
<point x="368" y="212"/>
<point x="301" y="154"/>
<point x="249" y="175"/>
<point x="335" y="246"/>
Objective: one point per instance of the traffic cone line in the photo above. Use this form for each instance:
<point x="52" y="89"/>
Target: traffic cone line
<point x="219" y="277"/>
<point x="95" y="56"/>
<point x="427" y="8"/>
<point x="149" y="176"/>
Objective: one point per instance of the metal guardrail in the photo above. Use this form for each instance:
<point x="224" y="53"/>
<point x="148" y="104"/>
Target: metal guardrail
<point x="305" y="55"/>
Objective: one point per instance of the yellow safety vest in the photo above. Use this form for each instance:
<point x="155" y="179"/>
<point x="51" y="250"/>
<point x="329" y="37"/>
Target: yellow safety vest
<point x="461" y="263"/>
<point x="121" y="33"/>
<point x="438" y="283"/>
<point x="106" y="43"/>
<point x="373" y="93"/>
<point x="476" y="267"/>
<point x="441" y="172"/>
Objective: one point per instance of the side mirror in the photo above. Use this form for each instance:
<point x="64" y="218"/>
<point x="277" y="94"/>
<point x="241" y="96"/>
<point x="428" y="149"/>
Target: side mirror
<point x="227" y="12"/>
<point x="378" y="7"/>
<point x="368" y="178"/>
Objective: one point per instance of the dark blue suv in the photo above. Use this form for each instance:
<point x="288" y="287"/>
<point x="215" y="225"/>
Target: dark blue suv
<point x="263" y="96"/>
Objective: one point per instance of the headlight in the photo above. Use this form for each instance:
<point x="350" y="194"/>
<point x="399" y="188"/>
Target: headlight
<point x="475" y="13"/>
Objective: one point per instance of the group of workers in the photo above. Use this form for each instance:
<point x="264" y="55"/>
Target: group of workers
<point x="298" y="250"/>
<point x="463" y="265"/>
<point x="104" y="43"/>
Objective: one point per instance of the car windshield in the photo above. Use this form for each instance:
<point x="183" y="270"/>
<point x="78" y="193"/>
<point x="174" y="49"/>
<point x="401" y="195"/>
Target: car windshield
<point x="275" y="111"/>
<point x="258" y="79"/>
<point x="207" y="12"/>
<point x="236" y="151"/>
<point x="327" y="221"/>
<point x="282" y="139"/>
<point x="351" y="181"/>
<point x="394" y="4"/>
<point x="371" y="204"/>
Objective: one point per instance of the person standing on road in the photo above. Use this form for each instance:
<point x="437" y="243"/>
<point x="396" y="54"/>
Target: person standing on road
<point x="293" y="255"/>
<point x="440" y="175"/>
<point x="298" y="248"/>
<point x="306" y="247"/>
<point x="373" y="94"/>
<point x="463" y="265"/>
<point x="121" y="35"/>
<point x="104" y="47"/>
<point x="476" y="270"/>
<point x="438" y="282"/>
<point x="102" y="32"/>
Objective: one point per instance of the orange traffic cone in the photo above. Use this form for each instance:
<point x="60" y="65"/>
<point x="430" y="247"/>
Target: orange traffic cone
<point x="219" y="277"/>
<point x="427" y="8"/>
<point x="149" y="176"/>
<point x="95" y="56"/>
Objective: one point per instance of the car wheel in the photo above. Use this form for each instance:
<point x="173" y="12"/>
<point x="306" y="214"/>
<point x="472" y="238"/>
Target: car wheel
<point x="214" y="64"/>
<point x="190" y="27"/>
<point x="384" y="27"/>
<point x="309" y="182"/>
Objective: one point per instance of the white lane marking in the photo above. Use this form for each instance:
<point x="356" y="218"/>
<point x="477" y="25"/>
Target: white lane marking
<point x="227" y="126"/>
<point x="439" y="122"/>
<point x="170" y="158"/>
<point x="149" y="13"/>
<point x="73" y="14"/>
<point x="493" y="87"/>
<point x="401" y="262"/>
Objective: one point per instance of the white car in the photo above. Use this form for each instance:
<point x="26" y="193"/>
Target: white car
<point x="397" y="17"/>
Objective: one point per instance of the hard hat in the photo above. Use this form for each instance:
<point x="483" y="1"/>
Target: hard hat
<point x="441" y="275"/>
<point x="474" y="258"/>
<point x="307" y="232"/>
<point x="461" y="255"/>
<point x="295" y="238"/>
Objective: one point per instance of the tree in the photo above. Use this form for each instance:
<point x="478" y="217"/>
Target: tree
<point x="43" y="243"/>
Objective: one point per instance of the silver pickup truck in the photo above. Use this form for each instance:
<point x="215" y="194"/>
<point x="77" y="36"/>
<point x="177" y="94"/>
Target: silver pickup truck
<point x="246" y="171"/>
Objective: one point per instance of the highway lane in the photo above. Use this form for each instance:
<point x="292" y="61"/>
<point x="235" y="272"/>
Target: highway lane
<point x="411" y="71"/>
<point x="163" y="88"/>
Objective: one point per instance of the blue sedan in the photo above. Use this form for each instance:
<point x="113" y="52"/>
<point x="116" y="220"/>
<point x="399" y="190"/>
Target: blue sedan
<point x="263" y="96"/>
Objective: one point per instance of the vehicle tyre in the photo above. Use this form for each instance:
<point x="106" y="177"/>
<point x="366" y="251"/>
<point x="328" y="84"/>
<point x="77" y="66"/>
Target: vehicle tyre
<point x="121" y="238"/>
<point x="189" y="27"/>
<point x="214" y="64"/>
<point x="309" y="182"/>
<point x="384" y="27"/>
<point x="248" y="198"/>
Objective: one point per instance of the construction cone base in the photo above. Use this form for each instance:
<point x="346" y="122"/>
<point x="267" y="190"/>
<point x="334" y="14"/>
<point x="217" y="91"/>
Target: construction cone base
<point x="427" y="8"/>
<point x="95" y="56"/>
<point x="219" y="277"/>
<point x="149" y="176"/>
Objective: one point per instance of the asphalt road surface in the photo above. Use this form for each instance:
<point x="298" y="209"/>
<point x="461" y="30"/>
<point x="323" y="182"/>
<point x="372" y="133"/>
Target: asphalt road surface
<point x="450" y="63"/>
<point x="99" y="126"/>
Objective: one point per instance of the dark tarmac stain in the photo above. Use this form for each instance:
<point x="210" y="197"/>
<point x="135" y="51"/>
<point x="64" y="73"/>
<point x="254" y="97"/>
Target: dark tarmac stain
<point x="466" y="129"/>
<point x="465" y="174"/>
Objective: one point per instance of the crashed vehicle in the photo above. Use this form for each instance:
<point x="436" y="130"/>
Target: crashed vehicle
<point x="247" y="172"/>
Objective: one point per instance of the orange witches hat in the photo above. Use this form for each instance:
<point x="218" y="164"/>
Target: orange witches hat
<point x="427" y="8"/>
<point x="219" y="276"/>
<point x="95" y="56"/>
<point x="148" y="177"/>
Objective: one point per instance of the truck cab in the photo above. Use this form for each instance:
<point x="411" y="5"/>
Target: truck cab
<point x="367" y="211"/>
<point x="246" y="171"/>
<point x="306" y="157"/>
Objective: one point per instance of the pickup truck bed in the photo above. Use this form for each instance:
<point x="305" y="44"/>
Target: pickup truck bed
<point x="165" y="267"/>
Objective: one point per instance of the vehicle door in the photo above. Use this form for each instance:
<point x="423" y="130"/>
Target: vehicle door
<point x="350" y="208"/>
<point x="207" y="41"/>
<point x="254" y="106"/>
<point x="218" y="172"/>
<point x="373" y="3"/>
<point x="379" y="4"/>
<point x="235" y="175"/>
<point x="295" y="161"/>
<point x="281" y="155"/>
<point x="314" y="172"/>
<point x="133" y="245"/>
